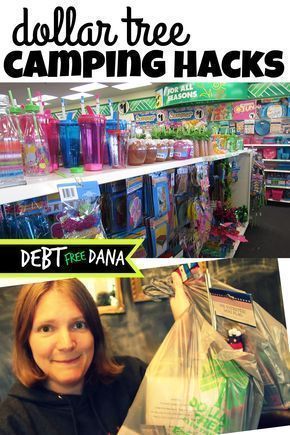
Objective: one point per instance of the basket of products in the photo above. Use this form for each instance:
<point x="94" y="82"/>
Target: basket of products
<point x="277" y="194"/>
<point x="269" y="153"/>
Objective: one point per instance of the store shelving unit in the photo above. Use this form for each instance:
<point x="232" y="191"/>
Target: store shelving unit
<point x="277" y="170"/>
<point x="38" y="186"/>
<point x="241" y="229"/>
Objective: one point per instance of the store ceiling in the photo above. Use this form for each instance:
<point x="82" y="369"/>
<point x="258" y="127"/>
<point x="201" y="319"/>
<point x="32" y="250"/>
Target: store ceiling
<point x="19" y="91"/>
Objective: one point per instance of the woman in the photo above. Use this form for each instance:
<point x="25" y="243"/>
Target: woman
<point x="67" y="382"/>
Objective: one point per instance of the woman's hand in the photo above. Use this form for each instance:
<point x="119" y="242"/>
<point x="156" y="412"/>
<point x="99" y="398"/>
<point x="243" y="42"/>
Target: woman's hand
<point x="179" y="303"/>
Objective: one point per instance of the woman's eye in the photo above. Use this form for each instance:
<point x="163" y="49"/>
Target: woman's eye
<point x="80" y="324"/>
<point x="45" y="328"/>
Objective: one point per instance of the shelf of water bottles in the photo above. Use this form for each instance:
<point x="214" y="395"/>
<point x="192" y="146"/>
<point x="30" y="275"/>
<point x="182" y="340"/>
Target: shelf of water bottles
<point x="91" y="148"/>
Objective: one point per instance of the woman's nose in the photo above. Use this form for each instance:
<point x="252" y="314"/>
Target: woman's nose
<point x="65" y="340"/>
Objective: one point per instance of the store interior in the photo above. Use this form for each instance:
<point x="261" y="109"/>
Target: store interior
<point x="137" y="315"/>
<point x="194" y="169"/>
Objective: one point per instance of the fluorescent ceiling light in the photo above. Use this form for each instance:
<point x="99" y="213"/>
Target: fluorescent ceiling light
<point x="77" y="96"/>
<point x="131" y="85"/>
<point x="89" y="87"/>
<point x="43" y="98"/>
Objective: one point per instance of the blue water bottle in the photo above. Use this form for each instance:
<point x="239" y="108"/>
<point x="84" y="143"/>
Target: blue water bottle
<point x="69" y="136"/>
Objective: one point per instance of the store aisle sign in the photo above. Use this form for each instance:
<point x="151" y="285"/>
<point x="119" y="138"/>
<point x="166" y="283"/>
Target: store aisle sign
<point x="58" y="258"/>
<point x="185" y="93"/>
<point x="187" y="114"/>
<point x="150" y="117"/>
<point x="233" y="305"/>
<point x="244" y="110"/>
<point x="123" y="107"/>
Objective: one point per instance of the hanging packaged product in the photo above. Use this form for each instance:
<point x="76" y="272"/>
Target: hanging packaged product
<point x="156" y="194"/>
<point x="181" y="206"/>
<point x="160" y="193"/>
<point x="27" y="219"/>
<point x="171" y="212"/>
<point x="11" y="166"/>
<point x="114" y="210"/>
<point x="134" y="195"/>
<point x="81" y="215"/>
<point x="122" y="209"/>
<point x="138" y="233"/>
<point x="181" y="180"/>
<point x="196" y="383"/>
<point x="158" y="236"/>
<point x="263" y="336"/>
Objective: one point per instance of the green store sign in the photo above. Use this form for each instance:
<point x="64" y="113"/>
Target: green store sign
<point x="185" y="93"/>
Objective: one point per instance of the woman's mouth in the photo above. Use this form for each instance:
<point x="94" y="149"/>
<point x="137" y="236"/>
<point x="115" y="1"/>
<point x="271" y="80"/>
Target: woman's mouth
<point x="67" y="361"/>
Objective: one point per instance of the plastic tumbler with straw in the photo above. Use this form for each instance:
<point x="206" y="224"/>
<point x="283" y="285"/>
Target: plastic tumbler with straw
<point x="50" y="127"/>
<point x="92" y="137"/>
<point x="11" y="167"/>
<point x="117" y="140"/>
<point x="69" y="136"/>
<point x="36" y="157"/>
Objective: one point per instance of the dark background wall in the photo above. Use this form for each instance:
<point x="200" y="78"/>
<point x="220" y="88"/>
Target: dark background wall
<point x="141" y="329"/>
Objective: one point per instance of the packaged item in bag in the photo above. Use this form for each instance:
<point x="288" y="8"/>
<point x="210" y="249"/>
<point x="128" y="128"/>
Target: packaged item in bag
<point x="81" y="215"/>
<point x="267" y="342"/>
<point x="196" y="384"/>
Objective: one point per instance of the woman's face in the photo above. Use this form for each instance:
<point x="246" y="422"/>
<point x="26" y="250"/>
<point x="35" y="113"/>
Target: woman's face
<point x="61" y="343"/>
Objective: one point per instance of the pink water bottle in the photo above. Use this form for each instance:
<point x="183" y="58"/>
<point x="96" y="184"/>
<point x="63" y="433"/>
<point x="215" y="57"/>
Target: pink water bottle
<point x="50" y="127"/>
<point x="35" y="148"/>
<point x="92" y="137"/>
<point x="11" y="168"/>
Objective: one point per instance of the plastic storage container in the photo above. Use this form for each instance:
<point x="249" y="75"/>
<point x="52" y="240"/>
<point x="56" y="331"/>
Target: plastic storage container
<point x="137" y="152"/>
<point x="151" y="151"/>
<point x="170" y="145"/>
<point x="162" y="150"/>
<point x="181" y="150"/>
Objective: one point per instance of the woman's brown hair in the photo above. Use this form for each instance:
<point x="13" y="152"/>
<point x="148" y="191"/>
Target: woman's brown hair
<point x="25" y="368"/>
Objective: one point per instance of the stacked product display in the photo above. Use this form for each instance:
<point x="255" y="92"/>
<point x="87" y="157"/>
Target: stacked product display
<point x="187" y="209"/>
<point x="275" y="153"/>
<point x="268" y="131"/>
<point x="181" y="184"/>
